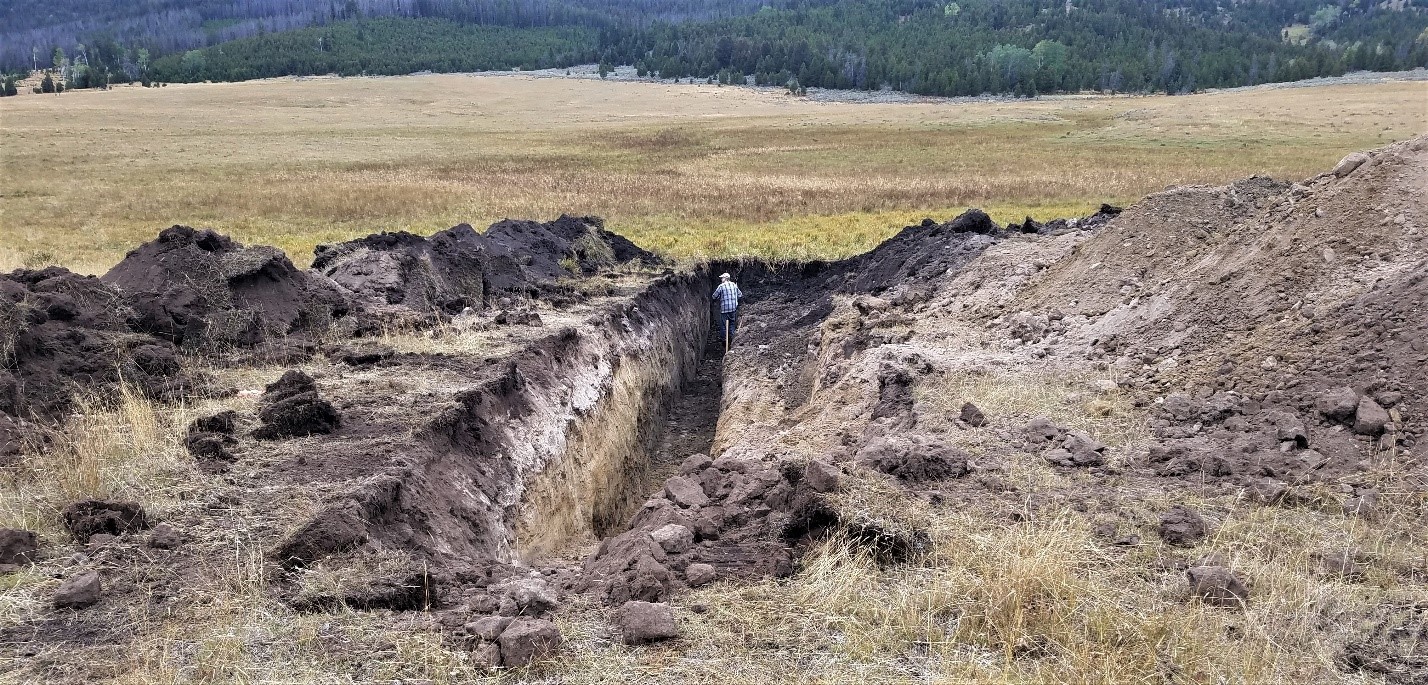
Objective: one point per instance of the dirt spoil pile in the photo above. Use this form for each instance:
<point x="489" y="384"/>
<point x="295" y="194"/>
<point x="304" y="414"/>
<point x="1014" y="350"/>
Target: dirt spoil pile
<point x="197" y="287"/>
<point x="458" y="268"/>
<point x="61" y="333"/>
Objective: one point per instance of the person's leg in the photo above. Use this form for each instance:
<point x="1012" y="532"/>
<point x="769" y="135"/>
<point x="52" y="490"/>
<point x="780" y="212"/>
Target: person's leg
<point x="733" y="325"/>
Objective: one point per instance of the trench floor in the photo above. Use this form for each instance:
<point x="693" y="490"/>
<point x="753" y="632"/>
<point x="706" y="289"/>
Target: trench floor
<point x="689" y="424"/>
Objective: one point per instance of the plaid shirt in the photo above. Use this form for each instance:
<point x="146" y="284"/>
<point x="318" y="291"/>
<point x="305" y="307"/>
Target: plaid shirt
<point x="728" y="296"/>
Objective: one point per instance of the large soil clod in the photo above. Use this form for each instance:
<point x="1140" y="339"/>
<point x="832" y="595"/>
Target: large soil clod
<point x="291" y="407"/>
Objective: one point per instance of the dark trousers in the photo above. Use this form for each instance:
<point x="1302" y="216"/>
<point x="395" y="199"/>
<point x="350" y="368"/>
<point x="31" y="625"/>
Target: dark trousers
<point x="731" y="321"/>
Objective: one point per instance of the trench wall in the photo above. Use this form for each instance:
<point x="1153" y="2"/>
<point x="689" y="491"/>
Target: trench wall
<point x="601" y="476"/>
<point x="549" y="445"/>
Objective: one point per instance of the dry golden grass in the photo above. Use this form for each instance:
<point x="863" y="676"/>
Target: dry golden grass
<point x="689" y="170"/>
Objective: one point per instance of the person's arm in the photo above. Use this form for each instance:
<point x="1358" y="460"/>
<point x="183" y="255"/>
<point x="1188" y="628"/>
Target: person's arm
<point x="715" y="296"/>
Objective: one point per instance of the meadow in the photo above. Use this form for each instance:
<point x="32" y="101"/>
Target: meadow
<point x="688" y="170"/>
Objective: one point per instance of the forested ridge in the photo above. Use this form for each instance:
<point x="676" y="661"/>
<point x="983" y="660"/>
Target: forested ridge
<point x="937" y="47"/>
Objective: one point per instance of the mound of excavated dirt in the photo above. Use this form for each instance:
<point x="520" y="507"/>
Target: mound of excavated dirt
<point x="460" y="268"/>
<point x="197" y="287"/>
<point x="447" y="272"/>
<point x="1253" y="310"/>
<point x="542" y="247"/>
<point x="61" y="332"/>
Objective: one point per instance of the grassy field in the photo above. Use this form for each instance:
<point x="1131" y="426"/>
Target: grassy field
<point x="689" y="170"/>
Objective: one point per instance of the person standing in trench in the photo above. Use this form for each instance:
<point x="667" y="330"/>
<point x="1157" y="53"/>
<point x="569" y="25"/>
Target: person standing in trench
<point x="728" y="296"/>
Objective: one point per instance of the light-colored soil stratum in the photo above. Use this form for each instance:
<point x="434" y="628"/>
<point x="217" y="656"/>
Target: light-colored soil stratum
<point x="686" y="169"/>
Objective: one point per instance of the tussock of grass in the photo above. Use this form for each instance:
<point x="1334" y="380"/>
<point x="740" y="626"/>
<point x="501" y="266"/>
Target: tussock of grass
<point x="131" y="447"/>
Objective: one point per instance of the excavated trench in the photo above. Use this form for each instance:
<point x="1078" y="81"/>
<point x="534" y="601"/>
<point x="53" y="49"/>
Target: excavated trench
<point x="658" y="405"/>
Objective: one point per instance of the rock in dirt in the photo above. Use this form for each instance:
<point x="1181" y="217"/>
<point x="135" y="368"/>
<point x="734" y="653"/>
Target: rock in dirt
<point x="1369" y="418"/>
<point x="822" y="476"/>
<point x="198" y="287"/>
<point x="91" y="517"/>
<point x="674" y="538"/>
<point x="913" y="458"/>
<point x="527" y="640"/>
<point x="700" y="574"/>
<point x="292" y="407"/>
<point x="642" y="622"/>
<point x="1348" y="164"/>
<point x="1337" y="404"/>
<point x="972" y="416"/>
<point x="79" y="592"/>
<point x="18" y="546"/>
<point x="1217" y="586"/>
<point x="1182" y="527"/>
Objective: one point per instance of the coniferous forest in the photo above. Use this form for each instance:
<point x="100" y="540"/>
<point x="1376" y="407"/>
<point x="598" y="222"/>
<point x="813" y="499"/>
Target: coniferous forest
<point x="934" y="47"/>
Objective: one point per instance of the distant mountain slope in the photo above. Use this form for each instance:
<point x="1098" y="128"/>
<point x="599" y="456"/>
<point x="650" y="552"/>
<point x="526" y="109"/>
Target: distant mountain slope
<point x="938" y="47"/>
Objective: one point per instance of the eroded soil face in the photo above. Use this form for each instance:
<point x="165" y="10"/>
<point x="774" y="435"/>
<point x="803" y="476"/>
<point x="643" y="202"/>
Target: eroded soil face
<point x="487" y="441"/>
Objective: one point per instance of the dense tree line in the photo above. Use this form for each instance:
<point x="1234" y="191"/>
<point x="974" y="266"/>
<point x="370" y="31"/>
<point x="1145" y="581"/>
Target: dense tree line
<point x="382" y="46"/>
<point x="939" y="47"/>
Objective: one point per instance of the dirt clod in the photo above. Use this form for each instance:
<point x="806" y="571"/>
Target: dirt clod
<point x="1217" y="586"/>
<point x="913" y="458"/>
<point x="673" y="538"/>
<point x="1182" y="527"/>
<point x="292" y="407"/>
<point x="18" y="546"/>
<point x="642" y="622"/>
<point x="700" y="574"/>
<point x="79" y="592"/>
<point x="527" y="640"/>
<point x="972" y="416"/>
<point x="165" y="536"/>
<point x="86" y="518"/>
